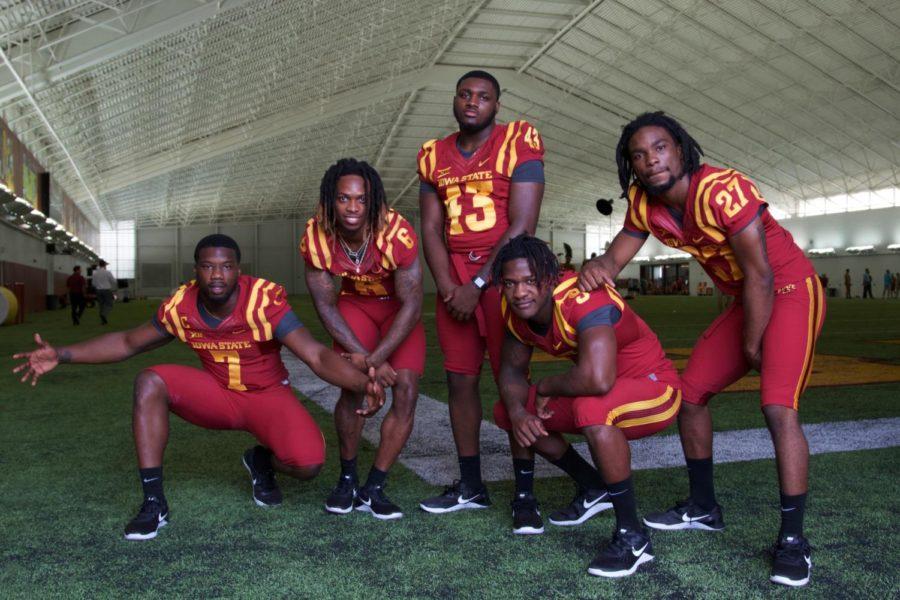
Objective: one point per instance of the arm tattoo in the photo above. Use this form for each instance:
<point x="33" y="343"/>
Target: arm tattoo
<point x="321" y="287"/>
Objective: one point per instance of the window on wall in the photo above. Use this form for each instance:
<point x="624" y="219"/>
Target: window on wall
<point x="117" y="247"/>
<point x="883" y="198"/>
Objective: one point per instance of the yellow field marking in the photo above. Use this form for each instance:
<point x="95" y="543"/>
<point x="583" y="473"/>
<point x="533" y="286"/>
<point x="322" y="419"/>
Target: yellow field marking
<point x="828" y="369"/>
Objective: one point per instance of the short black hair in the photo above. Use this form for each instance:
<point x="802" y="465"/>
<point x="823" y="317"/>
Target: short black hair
<point x="690" y="149"/>
<point x="376" y="199"/>
<point x="478" y="74"/>
<point x="543" y="263"/>
<point x="76" y="268"/>
<point x="216" y="240"/>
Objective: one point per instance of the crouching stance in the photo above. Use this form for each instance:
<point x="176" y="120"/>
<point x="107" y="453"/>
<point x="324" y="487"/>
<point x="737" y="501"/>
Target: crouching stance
<point x="237" y="325"/>
<point x="620" y="387"/>
<point x="374" y="321"/>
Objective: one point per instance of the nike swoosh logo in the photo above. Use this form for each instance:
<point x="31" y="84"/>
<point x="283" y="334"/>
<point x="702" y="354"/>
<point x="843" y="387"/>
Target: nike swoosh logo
<point x="587" y="504"/>
<point x="151" y="479"/>
<point x="481" y="164"/>
<point x="526" y="472"/>
<point x="808" y="561"/>
<point x="639" y="552"/>
<point x="366" y="501"/>
<point x="788" y="509"/>
<point x="688" y="519"/>
<point x="462" y="500"/>
<point x="697" y="240"/>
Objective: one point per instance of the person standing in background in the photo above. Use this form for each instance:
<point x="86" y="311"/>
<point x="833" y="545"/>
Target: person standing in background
<point x="76" y="284"/>
<point x="106" y="285"/>
<point x="847" y="283"/>
<point x="867" y="285"/>
<point x="888" y="282"/>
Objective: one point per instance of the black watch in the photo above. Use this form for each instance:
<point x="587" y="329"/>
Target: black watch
<point x="479" y="282"/>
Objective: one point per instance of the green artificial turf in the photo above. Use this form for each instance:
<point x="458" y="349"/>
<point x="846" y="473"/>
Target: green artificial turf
<point x="69" y="484"/>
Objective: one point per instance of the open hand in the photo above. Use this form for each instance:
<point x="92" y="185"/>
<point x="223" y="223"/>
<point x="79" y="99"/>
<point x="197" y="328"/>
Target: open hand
<point x="37" y="362"/>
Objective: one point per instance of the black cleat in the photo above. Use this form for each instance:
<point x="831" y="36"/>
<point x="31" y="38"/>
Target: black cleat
<point x="585" y="505"/>
<point x="372" y="499"/>
<point x="258" y="462"/>
<point x="526" y="516"/>
<point x="457" y="497"/>
<point x="340" y="501"/>
<point x="687" y="515"/>
<point x="153" y="514"/>
<point x="792" y="561"/>
<point x="627" y="551"/>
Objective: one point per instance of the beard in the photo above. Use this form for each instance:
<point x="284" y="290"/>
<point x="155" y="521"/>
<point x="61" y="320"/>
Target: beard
<point x="471" y="128"/>
<point x="662" y="188"/>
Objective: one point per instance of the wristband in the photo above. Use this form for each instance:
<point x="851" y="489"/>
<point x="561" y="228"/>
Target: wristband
<point x="479" y="283"/>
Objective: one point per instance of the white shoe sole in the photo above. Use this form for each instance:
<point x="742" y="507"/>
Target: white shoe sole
<point x="644" y="558"/>
<point x="146" y="536"/>
<point x="389" y="517"/>
<point x="594" y="510"/>
<point x="337" y="510"/>
<point x="528" y="531"/>
<point x="679" y="526"/>
<point x="454" y="508"/>
<point x="789" y="582"/>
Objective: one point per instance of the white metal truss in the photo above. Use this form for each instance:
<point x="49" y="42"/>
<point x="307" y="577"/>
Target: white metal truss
<point x="184" y="111"/>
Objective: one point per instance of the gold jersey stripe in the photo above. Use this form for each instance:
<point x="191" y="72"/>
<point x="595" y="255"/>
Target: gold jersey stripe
<point x="513" y="154"/>
<point x="311" y="245"/>
<point x="663" y="416"/>
<point x="640" y="405"/>
<point x="389" y="251"/>
<point x="173" y="313"/>
<point x="509" y="131"/>
<point x="429" y="151"/>
<point x="254" y="293"/>
<point x="616" y="298"/>
<point x="261" y="312"/>
<point x="508" y="317"/>
<point x="324" y="247"/>
<point x="701" y="201"/>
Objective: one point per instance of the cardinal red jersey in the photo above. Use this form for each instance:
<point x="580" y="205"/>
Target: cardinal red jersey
<point x="638" y="351"/>
<point x="242" y="352"/>
<point x="395" y="247"/>
<point x="475" y="190"/>
<point x="720" y="203"/>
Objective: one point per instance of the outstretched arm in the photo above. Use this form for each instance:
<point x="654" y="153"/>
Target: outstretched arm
<point x="108" y="348"/>
<point x="335" y="370"/>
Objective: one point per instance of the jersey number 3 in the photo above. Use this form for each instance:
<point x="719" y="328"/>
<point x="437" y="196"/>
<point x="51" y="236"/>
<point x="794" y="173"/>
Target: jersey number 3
<point x="475" y="220"/>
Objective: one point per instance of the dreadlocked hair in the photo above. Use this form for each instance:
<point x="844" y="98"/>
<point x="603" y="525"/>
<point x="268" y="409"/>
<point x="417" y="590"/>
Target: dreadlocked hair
<point x="540" y="257"/>
<point x="690" y="149"/>
<point x="376" y="203"/>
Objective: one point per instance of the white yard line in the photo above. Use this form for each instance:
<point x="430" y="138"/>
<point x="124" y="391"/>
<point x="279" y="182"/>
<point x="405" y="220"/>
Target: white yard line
<point x="430" y="452"/>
